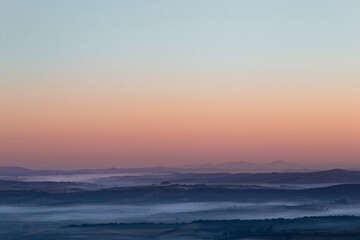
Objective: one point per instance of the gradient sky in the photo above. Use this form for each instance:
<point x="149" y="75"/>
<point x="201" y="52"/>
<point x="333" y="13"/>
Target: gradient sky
<point x="142" y="83"/>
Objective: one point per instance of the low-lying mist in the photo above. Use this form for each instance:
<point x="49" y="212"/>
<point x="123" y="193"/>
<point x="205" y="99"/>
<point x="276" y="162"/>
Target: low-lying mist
<point x="175" y="212"/>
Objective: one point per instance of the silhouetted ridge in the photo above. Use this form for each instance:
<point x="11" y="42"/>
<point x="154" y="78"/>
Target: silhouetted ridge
<point x="13" y="170"/>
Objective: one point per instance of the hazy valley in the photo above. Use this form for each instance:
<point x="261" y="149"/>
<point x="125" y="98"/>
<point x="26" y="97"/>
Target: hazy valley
<point x="169" y="203"/>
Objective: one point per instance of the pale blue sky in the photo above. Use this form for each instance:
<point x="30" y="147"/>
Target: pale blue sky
<point x="114" y="36"/>
<point x="125" y="83"/>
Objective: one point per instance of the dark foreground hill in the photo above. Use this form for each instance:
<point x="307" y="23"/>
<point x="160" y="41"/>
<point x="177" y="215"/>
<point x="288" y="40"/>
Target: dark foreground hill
<point x="337" y="227"/>
<point x="310" y="228"/>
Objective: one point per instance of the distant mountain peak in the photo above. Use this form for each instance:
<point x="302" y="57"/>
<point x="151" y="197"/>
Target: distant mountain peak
<point x="337" y="170"/>
<point x="280" y="162"/>
<point x="238" y="163"/>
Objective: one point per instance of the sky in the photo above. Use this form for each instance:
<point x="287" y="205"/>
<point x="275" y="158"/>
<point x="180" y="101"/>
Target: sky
<point x="145" y="83"/>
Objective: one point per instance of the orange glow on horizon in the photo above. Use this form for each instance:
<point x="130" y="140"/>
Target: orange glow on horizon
<point x="194" y="125"/>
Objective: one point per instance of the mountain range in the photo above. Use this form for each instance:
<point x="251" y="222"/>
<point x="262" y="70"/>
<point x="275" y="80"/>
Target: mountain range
<point x="229" y="167"/>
